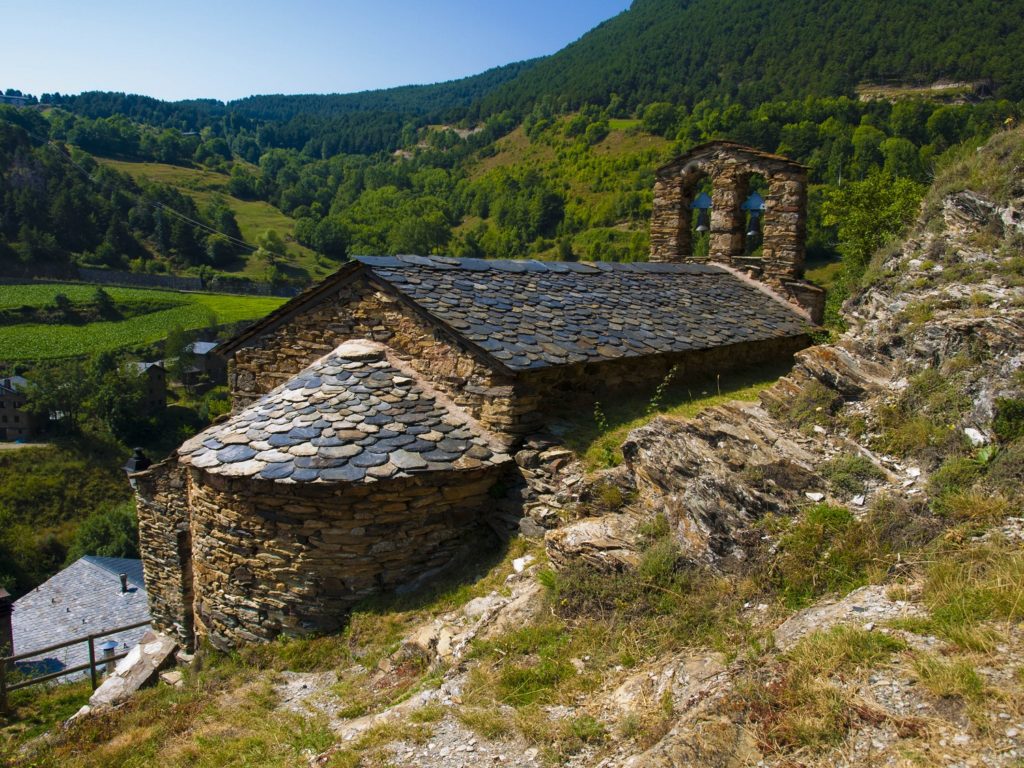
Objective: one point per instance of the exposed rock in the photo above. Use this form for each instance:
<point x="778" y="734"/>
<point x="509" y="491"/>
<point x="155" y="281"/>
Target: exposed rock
<point x="605" y="543"/>
<point x="706" y="741"/>
<point x="868" y="604"/>
<point x="140" y="668"/>
<point x="683" y="677"/>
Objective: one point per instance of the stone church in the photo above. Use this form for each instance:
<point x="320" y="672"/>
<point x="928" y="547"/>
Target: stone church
<point x="374" y="413"/>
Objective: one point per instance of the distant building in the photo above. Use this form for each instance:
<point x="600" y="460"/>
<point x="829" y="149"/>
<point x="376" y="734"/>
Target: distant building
<point x="15" y="101"/>
<point x="85" y="598"/>
<point x="155" y="376"/>
<point x="15" y="422"/>
<point x="205" y="363"/>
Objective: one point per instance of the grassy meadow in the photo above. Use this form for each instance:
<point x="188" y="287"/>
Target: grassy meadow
<point x="35" y="341"/>
<point x="254" y="216"/>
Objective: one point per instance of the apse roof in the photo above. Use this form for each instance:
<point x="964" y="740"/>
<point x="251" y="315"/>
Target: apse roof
<point x="353" y="416"/>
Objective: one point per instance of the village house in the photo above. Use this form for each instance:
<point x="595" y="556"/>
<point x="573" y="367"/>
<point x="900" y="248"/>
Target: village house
<point x="15" y="422"/>
<point x="374" y="413"/>
<point x="155" y="377"/>
<point x="90" y="596"/>
<point x="204" y="363"/>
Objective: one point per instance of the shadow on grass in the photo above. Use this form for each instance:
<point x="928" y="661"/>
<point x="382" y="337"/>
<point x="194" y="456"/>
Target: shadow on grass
<point x="599" y="444"/>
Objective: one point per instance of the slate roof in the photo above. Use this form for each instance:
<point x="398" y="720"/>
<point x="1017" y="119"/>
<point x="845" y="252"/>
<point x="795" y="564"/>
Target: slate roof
<point x="84" y="598"/>
<point x="201" y="347"/>
<point x="13" y="384"/>
<point x="143" y="367"/>
<point x="534" y="314"/>
<point x="353" y="416"/>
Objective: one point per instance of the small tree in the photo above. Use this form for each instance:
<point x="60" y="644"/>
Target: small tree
<point x="112" y="532"/>
<point x="868" y="213"/>
<point x="59" y="392"/>
<point x="176" y="356"/>
<point x="118" y="400"/>
<point x="105" y="305"/>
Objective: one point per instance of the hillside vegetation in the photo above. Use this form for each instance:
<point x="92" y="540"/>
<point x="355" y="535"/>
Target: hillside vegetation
<point x="552" y="158"/>
<point x="754" y="51"/>
<point x="209" y="189"/>
<point x="831" y="576"/>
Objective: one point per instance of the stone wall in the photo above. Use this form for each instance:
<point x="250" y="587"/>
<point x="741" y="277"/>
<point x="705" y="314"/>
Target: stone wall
<point x="360" y="311"/>
<point x="165" y="543"/>
<point x="554" y="388"/>
<point x="291" y="559"/>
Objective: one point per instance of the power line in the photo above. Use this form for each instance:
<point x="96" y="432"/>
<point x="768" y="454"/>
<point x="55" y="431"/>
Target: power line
<point x="154" y="204"/>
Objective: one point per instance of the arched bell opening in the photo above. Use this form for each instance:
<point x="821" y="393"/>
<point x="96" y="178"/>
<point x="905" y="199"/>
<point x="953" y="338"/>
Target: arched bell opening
<point x="700" y="207"/>
<point x="753" y="194"/>
<point x="694" y="215"/>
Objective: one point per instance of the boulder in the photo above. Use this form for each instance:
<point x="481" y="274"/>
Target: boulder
<point x="140" y="668"/>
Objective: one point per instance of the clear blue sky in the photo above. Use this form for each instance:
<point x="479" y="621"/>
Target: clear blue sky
<point x="177" y="49"/>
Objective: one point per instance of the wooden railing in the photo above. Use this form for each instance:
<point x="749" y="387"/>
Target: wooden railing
<point x="7" y="662"/>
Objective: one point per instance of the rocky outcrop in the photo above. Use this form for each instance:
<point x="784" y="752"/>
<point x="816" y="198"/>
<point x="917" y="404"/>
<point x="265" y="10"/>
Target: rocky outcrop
<point x="605" y="543"/>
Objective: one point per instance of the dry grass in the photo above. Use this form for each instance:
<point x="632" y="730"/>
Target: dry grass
<point x="801" y="707"/>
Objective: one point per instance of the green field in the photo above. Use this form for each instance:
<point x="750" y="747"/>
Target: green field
<point x="623" y="123"/>
<point x="254" y="217"/>
<point x="30" y="341"/>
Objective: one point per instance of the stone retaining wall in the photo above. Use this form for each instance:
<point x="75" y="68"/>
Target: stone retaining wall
<point x="360" y="311"/>
<point x="291" y="559"/>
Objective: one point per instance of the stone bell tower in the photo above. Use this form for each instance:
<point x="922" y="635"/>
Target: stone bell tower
<point x="729" y="168"/>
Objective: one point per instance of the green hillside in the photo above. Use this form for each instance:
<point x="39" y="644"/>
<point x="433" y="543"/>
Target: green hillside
<point x="254" y="217"/>
<point x="761" y="50"/>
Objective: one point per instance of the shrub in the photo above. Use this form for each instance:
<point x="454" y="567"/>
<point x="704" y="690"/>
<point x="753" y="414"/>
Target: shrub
<point x="112" y="532"/>
<point x="849" y="473"/>
<point x="1006" y="473"/>
<point x="815" y="404"/>
<point x="966" y="586"/>
<point x="954" y="679"/>
<point x="1008" y="423"/>
<point x="827" y="551"/>
<point x="958" y="473"/>
<point x="802" y="709"/>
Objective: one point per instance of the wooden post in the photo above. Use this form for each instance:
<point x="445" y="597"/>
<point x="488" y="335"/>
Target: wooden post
<point x="3" y="689"/>
<point x="92" y="662"/>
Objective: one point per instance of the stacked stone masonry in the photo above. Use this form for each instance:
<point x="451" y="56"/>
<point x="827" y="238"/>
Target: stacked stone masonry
<point x="359" y="309"/>
<point x="166" y="547"/>
<point x="271" y="558"/>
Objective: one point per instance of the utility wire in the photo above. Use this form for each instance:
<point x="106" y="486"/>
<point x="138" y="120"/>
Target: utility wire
<point x="65" y="155"/>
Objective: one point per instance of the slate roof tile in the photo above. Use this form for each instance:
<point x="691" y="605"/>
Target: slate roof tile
<point x="532" y="314"/>
<point x="352" y="416"/>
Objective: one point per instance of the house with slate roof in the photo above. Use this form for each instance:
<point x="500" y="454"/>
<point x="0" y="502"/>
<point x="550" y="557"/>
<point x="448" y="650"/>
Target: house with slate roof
<point x="85" y="598"/>
<point x="374" y="412"/>
<point x="154" y="376"/>
<point x="15" y="422"/>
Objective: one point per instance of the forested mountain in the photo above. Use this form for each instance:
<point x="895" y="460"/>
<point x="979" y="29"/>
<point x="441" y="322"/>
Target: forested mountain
<point x="55" y="203"/>
<point x="675" y="50"/>
<point x="353" y="122"/>
<point x="759" y="50"/>
<point x="553" y="157"/>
